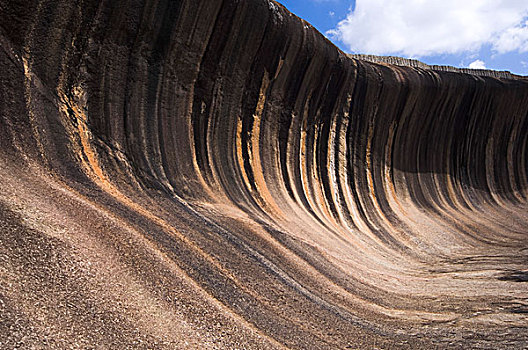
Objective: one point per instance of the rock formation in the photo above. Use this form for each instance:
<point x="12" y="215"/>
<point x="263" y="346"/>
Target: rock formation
<point x="216" y="174"/>
<point x="406" y="62"/>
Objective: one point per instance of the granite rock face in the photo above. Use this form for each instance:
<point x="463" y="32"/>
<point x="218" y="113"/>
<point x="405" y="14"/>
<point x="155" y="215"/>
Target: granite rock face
<point x="216" y="174"/>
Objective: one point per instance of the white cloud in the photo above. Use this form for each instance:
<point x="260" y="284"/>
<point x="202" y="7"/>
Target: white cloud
<point x="477" y="64"/>
<point x="515" y="38"/>
<point x="426" y="27"/>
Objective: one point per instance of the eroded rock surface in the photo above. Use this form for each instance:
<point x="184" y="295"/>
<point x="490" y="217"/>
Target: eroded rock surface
<point x="216" y="174"/>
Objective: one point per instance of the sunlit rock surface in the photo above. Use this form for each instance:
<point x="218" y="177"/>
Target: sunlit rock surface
<point x="216" y="174"/>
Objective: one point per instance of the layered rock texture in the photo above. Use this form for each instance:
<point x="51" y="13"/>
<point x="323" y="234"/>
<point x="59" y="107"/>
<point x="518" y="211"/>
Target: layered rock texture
<point x="216" y="174"/>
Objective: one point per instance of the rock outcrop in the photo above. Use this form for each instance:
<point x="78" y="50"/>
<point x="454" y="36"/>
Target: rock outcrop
<point x="216" y="174"/>
<point x="406" y="62"/>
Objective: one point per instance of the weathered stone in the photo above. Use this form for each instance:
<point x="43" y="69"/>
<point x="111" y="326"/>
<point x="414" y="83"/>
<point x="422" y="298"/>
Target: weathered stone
<point x="216" y="174"/>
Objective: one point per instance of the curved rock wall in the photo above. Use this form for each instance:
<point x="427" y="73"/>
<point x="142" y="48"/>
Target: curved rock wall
<point x="216" y="174"/>
<point x="399" y="61"/>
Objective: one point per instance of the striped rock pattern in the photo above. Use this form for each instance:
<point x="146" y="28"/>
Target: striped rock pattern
<point x="216" y="174"/>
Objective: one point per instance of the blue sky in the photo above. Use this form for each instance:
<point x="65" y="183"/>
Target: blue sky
<point x="489" y="34"/>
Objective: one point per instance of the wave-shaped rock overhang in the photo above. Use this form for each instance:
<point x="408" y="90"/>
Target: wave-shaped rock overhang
<point x="216" y="174"/>
<point x="406" y="62"/>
